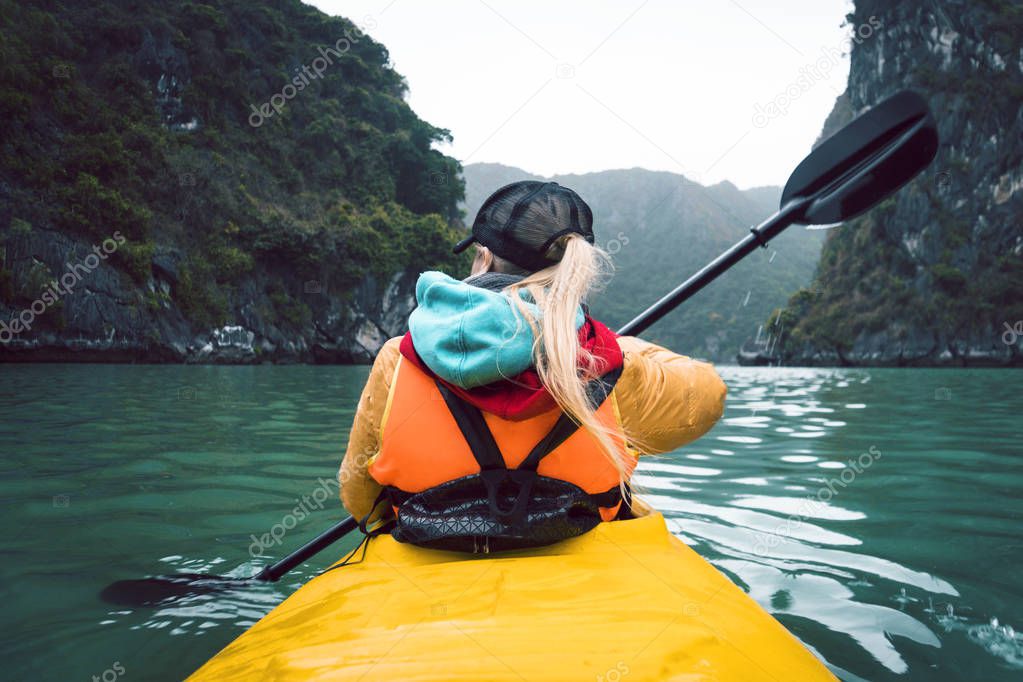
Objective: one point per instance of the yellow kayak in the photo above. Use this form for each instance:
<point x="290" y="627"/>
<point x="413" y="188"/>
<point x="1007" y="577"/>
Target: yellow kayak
<point x="627" y="601"/>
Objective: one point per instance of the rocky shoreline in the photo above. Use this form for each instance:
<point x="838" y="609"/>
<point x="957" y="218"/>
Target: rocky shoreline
<point x="976" y="348"/>
<point x="106" y="318"/>
<point x="899" y="356"/>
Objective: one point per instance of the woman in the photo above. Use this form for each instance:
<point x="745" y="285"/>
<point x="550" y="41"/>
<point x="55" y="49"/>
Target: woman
<point x="515" y="345"/>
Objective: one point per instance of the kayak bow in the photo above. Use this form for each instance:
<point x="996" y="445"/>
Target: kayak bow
<point x="627" y="599"/>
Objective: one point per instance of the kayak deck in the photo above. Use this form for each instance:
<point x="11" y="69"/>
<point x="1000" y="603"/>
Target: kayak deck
<point x="626" y="600"/>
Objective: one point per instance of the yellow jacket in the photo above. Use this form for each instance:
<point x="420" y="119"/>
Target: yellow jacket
<point x="665" y="400"/>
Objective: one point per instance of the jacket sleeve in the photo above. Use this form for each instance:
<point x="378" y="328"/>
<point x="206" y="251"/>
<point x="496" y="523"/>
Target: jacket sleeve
<point x="358" y="489"/>
<point x="665" y="400"/>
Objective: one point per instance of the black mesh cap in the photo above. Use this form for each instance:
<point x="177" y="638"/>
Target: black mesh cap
<point x="521" y="221"/>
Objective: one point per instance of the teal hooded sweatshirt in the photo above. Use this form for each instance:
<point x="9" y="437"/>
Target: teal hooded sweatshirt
<point x="468" y="335"/>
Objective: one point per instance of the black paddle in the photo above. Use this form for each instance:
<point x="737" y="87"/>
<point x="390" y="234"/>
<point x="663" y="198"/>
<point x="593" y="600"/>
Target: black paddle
<point x="863" y="163"/>
<point x="154" y="590"/>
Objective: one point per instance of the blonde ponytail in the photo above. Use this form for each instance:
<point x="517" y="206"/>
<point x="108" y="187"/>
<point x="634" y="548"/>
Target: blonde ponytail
<point x="564" y="367"/>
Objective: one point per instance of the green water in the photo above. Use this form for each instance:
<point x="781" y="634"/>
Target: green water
<point x="892" y="568"/>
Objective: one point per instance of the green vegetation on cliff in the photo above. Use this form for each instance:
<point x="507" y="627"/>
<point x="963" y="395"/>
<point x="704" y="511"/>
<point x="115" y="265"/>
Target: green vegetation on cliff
<point x="150" y="119"/>
<point x="933" y="274"/>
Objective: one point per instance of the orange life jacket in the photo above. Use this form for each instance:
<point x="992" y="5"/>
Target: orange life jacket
<point x="423" y="447"/>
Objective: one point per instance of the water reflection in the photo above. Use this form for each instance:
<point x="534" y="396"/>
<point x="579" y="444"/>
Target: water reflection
<point x="900" y="565"/>
<point x="803" y="556"/>
<point x="828" y="602"/>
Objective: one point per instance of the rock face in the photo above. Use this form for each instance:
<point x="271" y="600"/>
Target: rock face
<point x="211" y="183"/>
<point x="102" y="318"/>
<point x="934" y="275"/>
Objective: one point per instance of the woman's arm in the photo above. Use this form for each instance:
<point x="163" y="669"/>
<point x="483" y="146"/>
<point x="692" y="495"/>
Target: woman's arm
<point x="358" y="489"/>
<point x="666" y="400"/>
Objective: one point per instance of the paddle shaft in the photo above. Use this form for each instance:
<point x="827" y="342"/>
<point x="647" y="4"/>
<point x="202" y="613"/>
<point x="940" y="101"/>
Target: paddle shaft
<point x="273" y="572"/>
<point x="758" y="236"/>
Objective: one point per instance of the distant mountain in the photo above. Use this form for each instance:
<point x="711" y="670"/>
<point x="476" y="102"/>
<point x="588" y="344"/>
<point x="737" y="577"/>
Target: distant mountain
<point x="933" y="275"/>
<point x="659" y="228"/>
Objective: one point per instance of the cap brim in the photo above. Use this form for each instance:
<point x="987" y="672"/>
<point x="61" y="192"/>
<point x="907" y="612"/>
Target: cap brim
<point x="464" y="244"/>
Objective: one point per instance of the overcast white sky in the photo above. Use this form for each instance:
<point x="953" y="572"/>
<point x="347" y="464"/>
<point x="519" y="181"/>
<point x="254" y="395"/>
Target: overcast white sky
<point x="572" y="86"/>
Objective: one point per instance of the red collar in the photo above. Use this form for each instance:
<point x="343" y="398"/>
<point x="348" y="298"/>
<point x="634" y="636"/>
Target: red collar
<point x="523" y="396"/>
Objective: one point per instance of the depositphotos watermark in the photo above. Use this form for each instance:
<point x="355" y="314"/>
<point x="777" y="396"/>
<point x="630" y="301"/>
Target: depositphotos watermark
<point x="852" y="469"/>
<point x="63" y="286"/>
<point x="325" y="490"/>
<point x="1012" y="333"/>
<point x="809" y="75"/>
<point x="308" y="73"/>
<point x="615" y="245"/>
<point x="110" y="674"/>
<point x="614" y="674"/>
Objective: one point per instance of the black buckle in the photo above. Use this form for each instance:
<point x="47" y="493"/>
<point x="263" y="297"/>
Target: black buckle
<point x="523" y="481"/>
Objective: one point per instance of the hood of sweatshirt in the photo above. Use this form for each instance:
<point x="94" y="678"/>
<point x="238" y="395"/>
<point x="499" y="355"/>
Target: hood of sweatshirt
<point x="470" y="336"/>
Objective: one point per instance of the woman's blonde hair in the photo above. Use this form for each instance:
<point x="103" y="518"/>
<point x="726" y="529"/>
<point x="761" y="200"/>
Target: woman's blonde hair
<point x="563" y="365"/>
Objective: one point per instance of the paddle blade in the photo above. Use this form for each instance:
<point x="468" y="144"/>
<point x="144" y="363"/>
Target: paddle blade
<point x="156" y="590"/>
<point x="159" y="589"/>
<point x="866" y="161"/>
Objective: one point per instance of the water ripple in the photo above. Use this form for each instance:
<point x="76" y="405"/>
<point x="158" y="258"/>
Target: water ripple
<point x="880" y="525"/>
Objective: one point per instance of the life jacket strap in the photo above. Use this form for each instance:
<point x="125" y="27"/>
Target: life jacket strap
<point x="481" y="441"/>
<point x="495" y="473"/>
<point x="597" y="390"/>
<point x="607" y="499"/>
<point x="474" y="429"/>
<point x="385" y="524"/>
